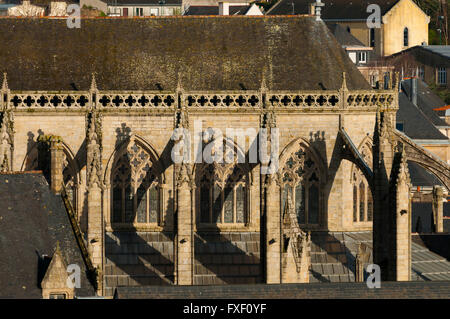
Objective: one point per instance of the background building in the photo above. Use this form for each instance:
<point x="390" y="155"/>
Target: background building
<point x="403" y="23"/>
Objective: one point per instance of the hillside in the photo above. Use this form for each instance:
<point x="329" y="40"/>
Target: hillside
<point x="432" y="8"/>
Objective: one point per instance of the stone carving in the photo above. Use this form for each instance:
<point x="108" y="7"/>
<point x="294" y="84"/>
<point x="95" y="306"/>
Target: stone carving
<point x="268" y="120"/>
<point x="94" y="149"/>
<point x="183" y="174"/>
<point x="55" y="279"/>
<point x="6" y="140"/>
<point x="26" y="9"/>
<point x="58" y="9"/>
<point x="305" y="101"/>
<point x="362" y="258"/>
<point x="299" y="240"/>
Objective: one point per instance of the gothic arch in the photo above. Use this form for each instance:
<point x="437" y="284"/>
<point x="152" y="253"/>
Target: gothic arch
<point x="302" y="174"/>
<point x="31" y="157"/>
<point x="134" y="182"/>
<point x="416" y="153"/>
<point x="365" y="148"/>
<point x="357" y="156"/>
<point x="432" y="169"/>
<point x="362" y="208"/>
<point x="240" y="153"/>
<point x="122" y="148"/>
<point x="71" y="171"/>
<point x="292" y="147"/>
<point x="222" y="193"/>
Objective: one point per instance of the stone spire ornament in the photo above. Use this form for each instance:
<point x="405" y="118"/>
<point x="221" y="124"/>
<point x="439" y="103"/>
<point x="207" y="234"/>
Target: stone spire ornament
<point x="5" y="83"/>
<point x="93" y="83"/>
<point x="6" y="140"/>
<point x="263" y="82"/>
<point x="179" y="85"/>
<point x="344" y="82"/>
<point x="94" y="139"/>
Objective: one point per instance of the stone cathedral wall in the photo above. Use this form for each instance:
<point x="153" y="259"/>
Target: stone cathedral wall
<point x="146" y="254"/>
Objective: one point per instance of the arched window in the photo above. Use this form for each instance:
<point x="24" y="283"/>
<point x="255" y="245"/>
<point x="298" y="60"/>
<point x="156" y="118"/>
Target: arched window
<point x="222" y="194"/>
<point x="406" y="37"/>
<point x="135" y="187"/>
<point x="369" y="206"/>
<point x="362" y="198"/>
<point x="222" y="189"/>
<point x="362" y="201"/>
<point x="362" y="195"/>
<point x="300" y="178"/>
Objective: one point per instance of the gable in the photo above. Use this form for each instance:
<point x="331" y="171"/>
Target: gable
<point x="410" y="10"/>
<point x="56" y="275"/>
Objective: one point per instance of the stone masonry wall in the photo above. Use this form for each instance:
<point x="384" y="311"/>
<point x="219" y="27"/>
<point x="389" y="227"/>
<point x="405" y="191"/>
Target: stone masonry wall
<point x="138" y="259"/>
<point x="227" y="258"/>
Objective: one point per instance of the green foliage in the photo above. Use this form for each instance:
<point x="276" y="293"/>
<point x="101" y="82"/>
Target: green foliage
<point x="442" y="92"/>
<point x="102" y="14"/>
<point x="431" y="8"/>
<point x="433" y="37"/>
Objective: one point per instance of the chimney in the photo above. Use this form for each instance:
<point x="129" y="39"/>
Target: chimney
<point x="414" y="90"/>
<point x="316" y="9"/>
<point x="224" y="8"/>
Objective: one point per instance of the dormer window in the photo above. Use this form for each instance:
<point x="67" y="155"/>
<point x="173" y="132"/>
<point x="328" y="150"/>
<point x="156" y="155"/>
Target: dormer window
<point x="362" y="57"/>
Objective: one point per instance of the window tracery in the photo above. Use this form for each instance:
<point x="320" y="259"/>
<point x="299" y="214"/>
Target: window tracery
<point x="362" y="195"/>
<point x="301" y="178"/>
<point x="135" y="187"/>
<point x="222" y="190"/>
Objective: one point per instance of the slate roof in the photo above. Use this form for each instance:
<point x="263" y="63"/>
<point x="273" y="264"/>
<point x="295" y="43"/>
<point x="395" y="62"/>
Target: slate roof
<point x="345" y="38"/>
<point x="334" y="9"/>
<point x="214" y="10"/>
<point x="208" y="53"/>
<point x="333" y="258"/>
<point x="32" y="220"/>
<point x="416" y="125"/>
<point x="427" y="101"/>
<point x="422" y="177"/>
<point x="447" y="225"/>
<point x="351" y="290"/>
<point x="443" y="50"/>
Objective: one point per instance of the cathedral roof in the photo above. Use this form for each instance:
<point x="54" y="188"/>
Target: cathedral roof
<point x="207" y="53"/>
